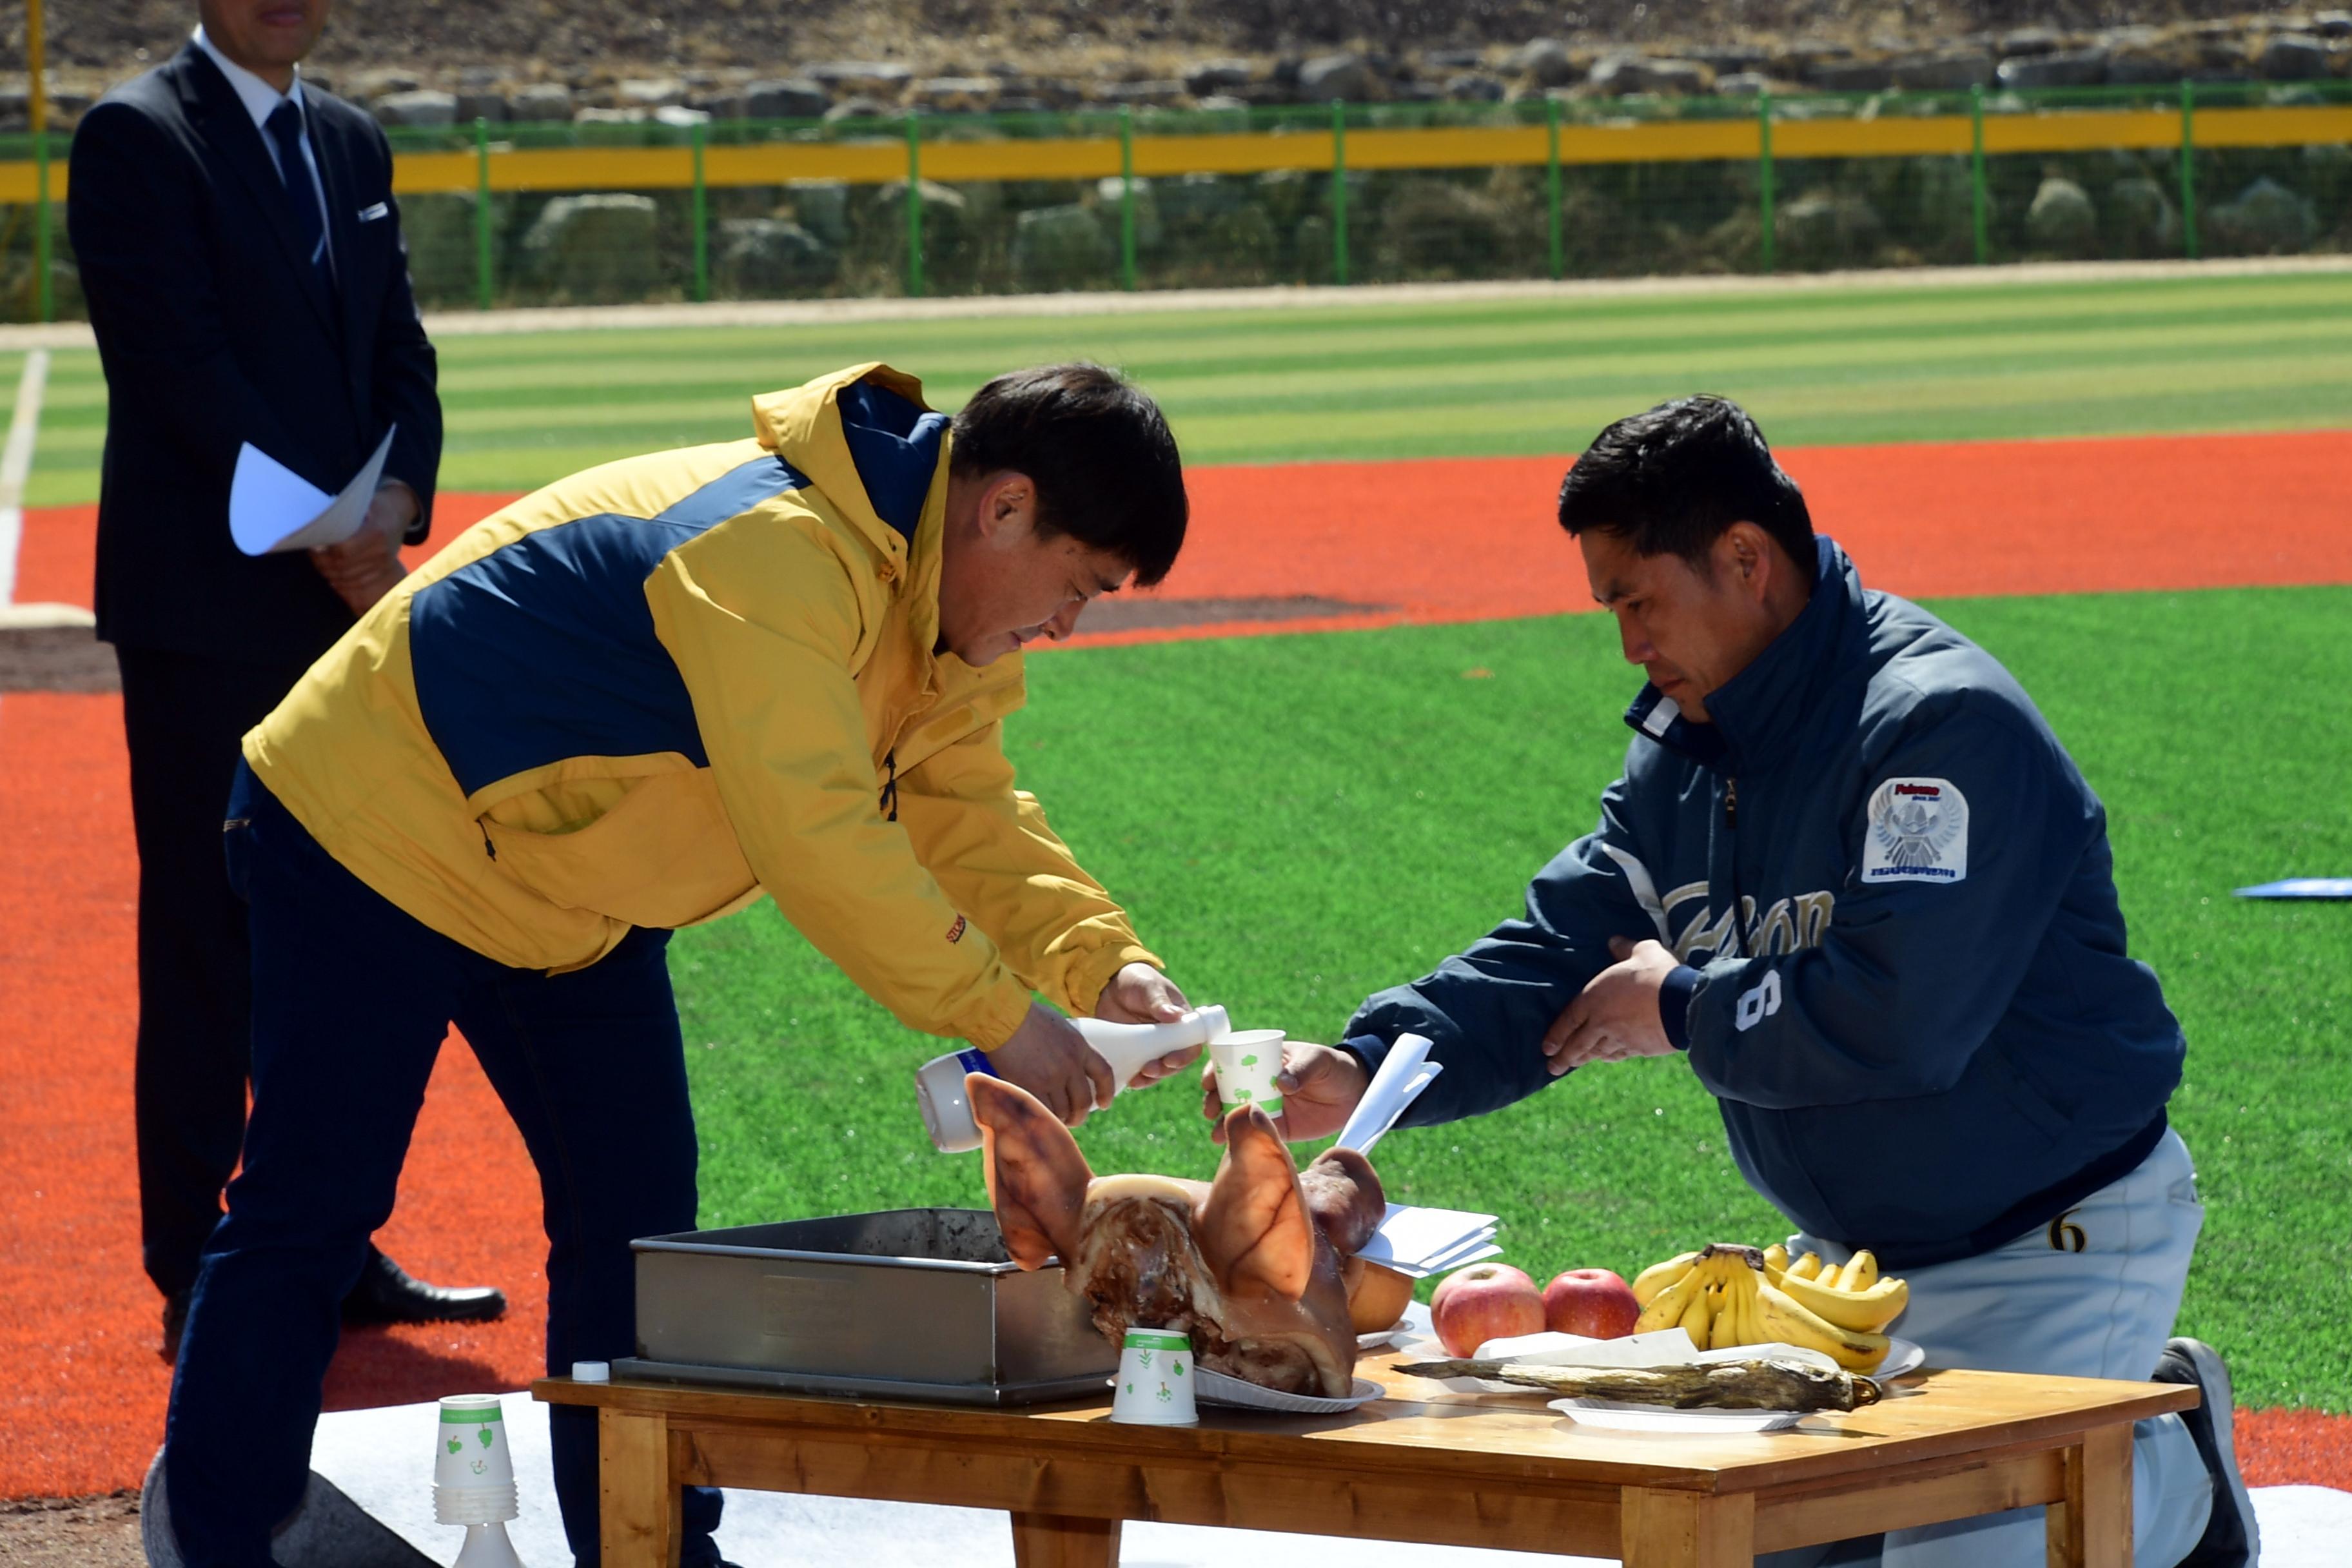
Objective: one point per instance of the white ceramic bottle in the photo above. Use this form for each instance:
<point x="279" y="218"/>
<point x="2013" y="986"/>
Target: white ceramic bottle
<point x="938" y="1083"/>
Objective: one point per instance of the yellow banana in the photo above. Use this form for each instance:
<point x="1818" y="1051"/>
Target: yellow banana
<point x="1658" y="1276"/>
<point x="1867" y="1310"/>
<point x="1776" y="1263"/>
<point x="1861" y="1271"/>
<point x="1698" y="1319"/>
<point x="1665" y="1309"/>
<point x="1737" y="1326"/>
<point x="1809" y="1267"/>
<point x="1782" y="1318"/>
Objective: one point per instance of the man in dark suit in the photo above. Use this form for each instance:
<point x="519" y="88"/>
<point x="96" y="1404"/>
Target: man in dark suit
<point x="246" y="281"/>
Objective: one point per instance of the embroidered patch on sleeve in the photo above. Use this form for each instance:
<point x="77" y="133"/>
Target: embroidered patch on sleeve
<point x="1919" y="833"/>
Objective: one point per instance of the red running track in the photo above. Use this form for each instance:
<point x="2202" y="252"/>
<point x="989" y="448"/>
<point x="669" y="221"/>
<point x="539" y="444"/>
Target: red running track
<point x="1439" y="540"/>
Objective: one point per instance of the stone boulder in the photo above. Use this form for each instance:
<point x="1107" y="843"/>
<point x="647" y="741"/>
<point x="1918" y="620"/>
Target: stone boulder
<point x="421" y="107"/>
<point x="594" y="249"/>
<point x="680" y="116"/>
<point x="1061" y="247"/>
<point x="1722" y="59"/>
<point x="1435" y="227"/>
<point x="649" y="93"/>
<point x="953" y="94"/>
<point x="1160" y="93"/>
<point x="2152" y="65"/>
<point x="2141" y="221"/>
<point x="1742" y="84"/>
<point x="1207" y="77"/>
<point x="1545" y="62"/>
<point x="1621" y="74"/>
<point x="1947" y="70"/>
<point x="1347" y="76"/>
<point x="1474" y="87"/>
<point x="2266" y="219"/>
<point x="1827" y="228"/>
<point x="793" y="98"/>
<point x="2062" y="221"/>
<point x="2059" y="67"/>
<point x="1850" y="76"/>
<point x="769" y="258"/>
<point x="541" y="102"/>
<point x="2031" y="41"/>
<point x="383" y="82"/>
<point x="860" y="108"/>
<point x="822" y="207"/>
<point x="2292" y="57"/>
<point x="482" y="103"/>
<point x="878" y="78"/>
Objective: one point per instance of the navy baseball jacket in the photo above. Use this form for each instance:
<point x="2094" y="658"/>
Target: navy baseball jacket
<point x="1906" y="979"/>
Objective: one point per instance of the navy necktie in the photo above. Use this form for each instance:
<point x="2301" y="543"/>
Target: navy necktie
<point x="285" y="125"/>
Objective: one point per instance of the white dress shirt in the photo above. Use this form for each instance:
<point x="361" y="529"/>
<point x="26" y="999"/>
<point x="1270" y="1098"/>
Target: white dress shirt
<point x="261" y="101"/>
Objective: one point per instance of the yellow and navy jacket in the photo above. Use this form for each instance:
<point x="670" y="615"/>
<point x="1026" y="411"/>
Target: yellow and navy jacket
<point x="649" y="691"/>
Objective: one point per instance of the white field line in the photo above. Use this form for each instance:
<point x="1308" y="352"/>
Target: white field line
<point x="17" y="465"/>
<point x="1166" y="302"/>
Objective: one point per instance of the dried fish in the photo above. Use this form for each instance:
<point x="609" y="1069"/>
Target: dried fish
<point x="1759" y="1385"/>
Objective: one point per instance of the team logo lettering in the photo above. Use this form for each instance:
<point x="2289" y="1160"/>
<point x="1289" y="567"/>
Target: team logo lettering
<point x="1918" y="832"/>
<point x="955" y="931"/>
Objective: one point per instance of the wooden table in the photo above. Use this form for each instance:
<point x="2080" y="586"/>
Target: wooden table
<point x="1429" y="1464"/>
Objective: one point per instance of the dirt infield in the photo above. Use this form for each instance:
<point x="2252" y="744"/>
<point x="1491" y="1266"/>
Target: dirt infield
<point x="1423" y="541"/>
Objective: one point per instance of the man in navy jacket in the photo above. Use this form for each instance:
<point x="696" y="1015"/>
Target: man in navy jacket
<point x="1854" y="878"/>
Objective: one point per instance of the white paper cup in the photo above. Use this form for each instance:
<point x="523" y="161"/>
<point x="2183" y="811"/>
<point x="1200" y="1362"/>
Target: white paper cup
<point x="469" y="1449"/>
<point x="1246" y="1063"/>
<point x="1155" y="1380"/>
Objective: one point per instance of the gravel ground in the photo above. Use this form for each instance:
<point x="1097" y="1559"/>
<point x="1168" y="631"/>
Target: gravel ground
<point x="83" y="1532"/>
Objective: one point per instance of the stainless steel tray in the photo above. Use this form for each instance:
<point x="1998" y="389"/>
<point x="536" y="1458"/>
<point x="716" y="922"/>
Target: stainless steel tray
<point x="920" y="1304"/>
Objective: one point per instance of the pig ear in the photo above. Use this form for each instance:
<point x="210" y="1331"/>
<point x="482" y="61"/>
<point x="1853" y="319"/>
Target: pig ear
<point x="1253" y="1229"/>
<point x="1036" y="1177"/>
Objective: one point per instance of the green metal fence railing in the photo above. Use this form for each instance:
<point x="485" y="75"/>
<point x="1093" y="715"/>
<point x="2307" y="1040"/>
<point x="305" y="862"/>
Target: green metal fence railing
<point x="1340" y="193"/>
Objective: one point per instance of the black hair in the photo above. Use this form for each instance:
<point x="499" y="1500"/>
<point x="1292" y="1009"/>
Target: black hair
<point x="1671" y="481"/>
<point x="1101" y="454"/>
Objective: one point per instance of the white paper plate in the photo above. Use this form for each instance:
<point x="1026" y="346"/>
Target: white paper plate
<point x="1902" y="1356"/>
<point x="1217" y="1388"/>
<point x="1609" y="1415"/>
<point x="1414" y="1322"/>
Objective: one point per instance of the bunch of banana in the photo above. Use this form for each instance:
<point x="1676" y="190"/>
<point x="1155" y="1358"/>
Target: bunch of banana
<point x="1724" y="1295"/>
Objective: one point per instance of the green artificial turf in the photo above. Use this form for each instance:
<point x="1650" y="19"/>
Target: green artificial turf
<point x="1296" y="821"/>
<point x="1817" y="366"/>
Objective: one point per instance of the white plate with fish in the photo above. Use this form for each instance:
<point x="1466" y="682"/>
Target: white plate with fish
<point x="1217" y="1388"/>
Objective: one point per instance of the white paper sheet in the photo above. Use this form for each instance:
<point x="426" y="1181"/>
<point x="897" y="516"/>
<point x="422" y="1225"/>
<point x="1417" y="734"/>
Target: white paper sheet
<point x="272" y="508"/>
<point x="1401" y="1077"/>
<point x="1408" y="1238"/>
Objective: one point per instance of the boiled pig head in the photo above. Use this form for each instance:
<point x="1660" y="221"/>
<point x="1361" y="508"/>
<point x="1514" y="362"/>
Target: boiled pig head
<point x="1248" y="1263"/>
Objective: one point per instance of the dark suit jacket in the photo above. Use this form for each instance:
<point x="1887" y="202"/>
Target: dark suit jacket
<point x="213" y="330"/>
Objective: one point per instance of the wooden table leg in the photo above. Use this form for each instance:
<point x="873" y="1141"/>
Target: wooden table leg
<point x="638" y="1514"/>
<point x="1060" y="1541"/>
<point x="2093" y="1526"/>
<point x="1687" y="1529"/>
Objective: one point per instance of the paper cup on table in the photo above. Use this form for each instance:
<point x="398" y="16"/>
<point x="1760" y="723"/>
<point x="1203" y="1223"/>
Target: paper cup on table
<point x="1155" y="1380"/>
<point x="473" y="1473"/>
<point x="1246" y="1063"/>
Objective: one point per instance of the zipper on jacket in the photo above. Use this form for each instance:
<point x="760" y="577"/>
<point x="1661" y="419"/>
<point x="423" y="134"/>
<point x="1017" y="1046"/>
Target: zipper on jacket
<point x="488" y="848"/>
<point x="1731" y="803"/>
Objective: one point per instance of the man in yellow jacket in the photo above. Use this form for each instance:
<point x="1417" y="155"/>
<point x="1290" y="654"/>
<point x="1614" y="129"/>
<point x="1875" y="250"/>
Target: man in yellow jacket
<point x="631" y="701"/>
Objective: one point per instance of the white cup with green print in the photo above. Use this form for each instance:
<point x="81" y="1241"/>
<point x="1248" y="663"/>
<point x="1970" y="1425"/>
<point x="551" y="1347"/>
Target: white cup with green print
<point x="1246" y="1063"/>
<point x="1154" y="1387"/>
<point x="473" y="1473"/>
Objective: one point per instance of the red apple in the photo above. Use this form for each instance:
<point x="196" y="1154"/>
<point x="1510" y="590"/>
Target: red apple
<point x="1485" y="1301"/>
<point x="1594" y="1302"/>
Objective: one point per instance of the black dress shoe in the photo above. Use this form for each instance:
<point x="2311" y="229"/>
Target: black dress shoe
<point x="175" y="1318"/>
<point x="385" y="1294"/>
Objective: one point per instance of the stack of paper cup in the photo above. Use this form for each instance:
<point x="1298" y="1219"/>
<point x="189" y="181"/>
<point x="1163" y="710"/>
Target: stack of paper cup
<point x="473" y="1479"/>
<point x="1155" y="1380"/>
<point x="1246" y="1063"/>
